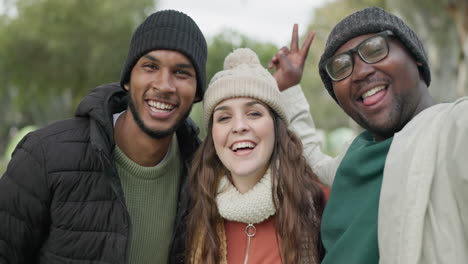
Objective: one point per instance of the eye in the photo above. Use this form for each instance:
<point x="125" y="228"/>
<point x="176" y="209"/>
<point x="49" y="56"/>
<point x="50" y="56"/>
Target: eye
<point x="150" y="66"/>
<point x="222" y="118"/>
<point x="374" y="49"/>
<point x="182" y="74"/>
<point x="341" y="65"/>
<point x="255" y="114"/>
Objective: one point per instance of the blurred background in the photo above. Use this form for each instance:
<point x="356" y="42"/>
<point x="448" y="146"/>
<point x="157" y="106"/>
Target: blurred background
<point x="53" y="52"/>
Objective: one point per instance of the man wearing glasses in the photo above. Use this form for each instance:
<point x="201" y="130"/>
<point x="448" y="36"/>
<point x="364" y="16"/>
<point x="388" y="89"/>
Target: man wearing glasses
<point x="400" y="190"/>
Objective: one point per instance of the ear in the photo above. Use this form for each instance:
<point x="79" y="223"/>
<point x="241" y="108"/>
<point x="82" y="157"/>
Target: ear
<point x="419" y="64"/>
<point x="126" y="86"/>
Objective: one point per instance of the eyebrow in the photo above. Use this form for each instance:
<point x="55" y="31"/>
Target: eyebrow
<point x="225" y="107"/>
<point x="220" y="108"/>
<point x="151" y="58"/>
<point x="254" y="103"/>
<point x="180" y="65"/>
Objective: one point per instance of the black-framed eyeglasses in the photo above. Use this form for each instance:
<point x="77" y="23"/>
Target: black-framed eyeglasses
<point x="371" y="50"/>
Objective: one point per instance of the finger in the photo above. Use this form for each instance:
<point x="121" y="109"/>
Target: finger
<point x="272" y="62"/>
<point x="295" y="39"/>
<point x="283" y="58"/>
<point x="275" y="59"/>
<point x="306" y="45"/>
<point x="284" y="50"/>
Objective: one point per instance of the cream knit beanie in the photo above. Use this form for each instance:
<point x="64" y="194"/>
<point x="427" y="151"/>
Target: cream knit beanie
<point x="243" y="76"/>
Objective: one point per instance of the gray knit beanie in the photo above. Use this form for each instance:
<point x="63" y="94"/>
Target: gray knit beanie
<point x="243" y="76"/>
<point x="367" y="21"/>
<point x="170" y="30"/>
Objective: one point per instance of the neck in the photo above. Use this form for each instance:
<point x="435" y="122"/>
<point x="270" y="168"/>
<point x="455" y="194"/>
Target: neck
<point x="425" y="102"/>
<point x="244" y="183"/>
<point x="136" y="144"/>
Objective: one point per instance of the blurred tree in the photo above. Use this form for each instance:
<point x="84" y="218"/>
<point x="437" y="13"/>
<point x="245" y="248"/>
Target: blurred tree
<point x="52" y="52"/>
<point x="443" y="27"/>
<point x="458" y="10"/>
<point x="219" y="47"/>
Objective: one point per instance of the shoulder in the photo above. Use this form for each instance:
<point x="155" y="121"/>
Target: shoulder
<point x="46" y="150"/>
<point x="73" y="129"/>
<point x="451" y="116"/>
<point x="459" y="109"/>
<point x="454" y="121"/>
<point x="61" y="135"/>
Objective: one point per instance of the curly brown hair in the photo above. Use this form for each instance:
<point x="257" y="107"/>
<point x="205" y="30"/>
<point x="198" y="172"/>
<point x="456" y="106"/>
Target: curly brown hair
<point x="297" y="196"/>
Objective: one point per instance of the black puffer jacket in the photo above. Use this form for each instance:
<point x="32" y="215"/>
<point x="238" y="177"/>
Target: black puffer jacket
<point x="61" y="200"/>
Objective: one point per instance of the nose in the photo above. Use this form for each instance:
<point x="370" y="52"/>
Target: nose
<point x="162" y="81"/>
<point x="240" y="125"/>
<point x="361" y="69"/>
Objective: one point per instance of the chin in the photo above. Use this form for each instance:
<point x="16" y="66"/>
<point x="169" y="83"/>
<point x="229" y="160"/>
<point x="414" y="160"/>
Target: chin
<point x="247" y="172"/>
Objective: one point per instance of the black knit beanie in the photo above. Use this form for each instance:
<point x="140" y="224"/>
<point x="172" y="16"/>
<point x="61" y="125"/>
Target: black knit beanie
<point x="169" y="30"/>
<point x="367" y="21"/>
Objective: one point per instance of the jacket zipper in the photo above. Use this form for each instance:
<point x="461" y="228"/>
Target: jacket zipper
<point x="250" y="231"/>
<point x="111" y="168"/>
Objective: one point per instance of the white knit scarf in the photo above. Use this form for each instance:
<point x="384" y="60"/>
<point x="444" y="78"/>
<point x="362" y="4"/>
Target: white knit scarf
<point x="252" y="207"/>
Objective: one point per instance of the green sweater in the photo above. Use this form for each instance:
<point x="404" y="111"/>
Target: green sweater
<point x="151" y="195"/>
<point x="349" y="223"/>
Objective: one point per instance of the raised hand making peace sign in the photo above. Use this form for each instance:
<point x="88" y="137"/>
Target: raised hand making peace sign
<point x="289" y="63"/>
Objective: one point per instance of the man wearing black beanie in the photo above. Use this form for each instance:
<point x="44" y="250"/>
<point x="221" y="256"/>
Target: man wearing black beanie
<point x="107" y="185"/>
<point x="399" y="190"/>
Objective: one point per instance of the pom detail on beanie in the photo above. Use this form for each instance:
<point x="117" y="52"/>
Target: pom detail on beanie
<point x="241" y="56"/>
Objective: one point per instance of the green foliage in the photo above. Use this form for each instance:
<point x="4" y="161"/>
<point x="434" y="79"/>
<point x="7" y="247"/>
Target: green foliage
<point x="58" y="50"/>
<point x="3" y="166"/>
<point x="53" y="52"/>
<point x="224" y="43"/>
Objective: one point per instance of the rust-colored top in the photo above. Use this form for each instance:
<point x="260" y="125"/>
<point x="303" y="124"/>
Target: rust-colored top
<point x="264" y="246"/>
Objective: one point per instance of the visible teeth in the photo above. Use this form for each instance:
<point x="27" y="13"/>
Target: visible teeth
<point x="158" y="110"/>
<point x="243" y="145"/>
<point x="373" y="91"/>
<point x="155" y="106"/>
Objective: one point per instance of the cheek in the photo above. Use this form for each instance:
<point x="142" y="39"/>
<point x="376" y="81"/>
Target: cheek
<point x="339" y="89"/>
<point x="268" y="134"/>
<point x="219" y="137"/>
<point x="401" y="63"/>
<point x="138" y="77"/>
<point x="187" y="89"/>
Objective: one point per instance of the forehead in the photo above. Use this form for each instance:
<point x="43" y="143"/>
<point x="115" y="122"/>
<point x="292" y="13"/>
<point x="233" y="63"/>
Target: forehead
<point x="172" y="55"/>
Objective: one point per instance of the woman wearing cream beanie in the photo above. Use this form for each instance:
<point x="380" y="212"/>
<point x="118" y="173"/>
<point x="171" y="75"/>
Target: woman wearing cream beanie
<point x="254" y="199"/>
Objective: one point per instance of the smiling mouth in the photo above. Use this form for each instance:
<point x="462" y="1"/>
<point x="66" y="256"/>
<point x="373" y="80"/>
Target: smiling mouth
<point x="159" y="107"/>
<point x="242" y="146"/>
<point x="374" y="95"/>
<point x="372" y="91"/>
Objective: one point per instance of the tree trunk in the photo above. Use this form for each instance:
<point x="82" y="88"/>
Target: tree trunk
<point x="458" y="10"/>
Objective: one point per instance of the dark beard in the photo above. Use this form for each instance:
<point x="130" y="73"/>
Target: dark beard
<point x="156" y="134"/>
<point x="395" y="121"/>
